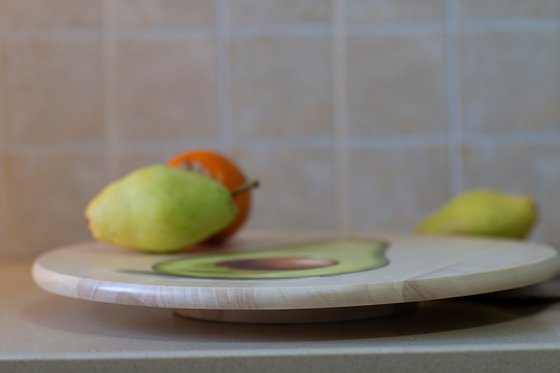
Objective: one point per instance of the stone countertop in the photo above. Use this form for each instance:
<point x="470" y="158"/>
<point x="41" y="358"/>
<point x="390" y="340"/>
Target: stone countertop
<point x="49" y="333"/>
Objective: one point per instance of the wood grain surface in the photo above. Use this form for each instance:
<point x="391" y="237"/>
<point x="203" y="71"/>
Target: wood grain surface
<point x="420" y="268"/>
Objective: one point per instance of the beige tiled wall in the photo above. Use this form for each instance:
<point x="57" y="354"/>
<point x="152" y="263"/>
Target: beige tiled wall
<point x="356" y="115"/>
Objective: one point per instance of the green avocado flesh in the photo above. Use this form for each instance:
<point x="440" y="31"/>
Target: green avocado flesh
<point x="305" y="259"/>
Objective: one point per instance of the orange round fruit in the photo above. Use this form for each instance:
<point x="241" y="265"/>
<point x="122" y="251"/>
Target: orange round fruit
<point x="224" y="170"/>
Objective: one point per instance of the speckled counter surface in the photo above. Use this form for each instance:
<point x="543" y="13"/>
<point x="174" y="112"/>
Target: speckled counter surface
<point x="47" y="333"/>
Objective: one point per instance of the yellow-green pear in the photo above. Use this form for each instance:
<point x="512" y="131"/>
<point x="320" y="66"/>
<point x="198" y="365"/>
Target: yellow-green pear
<point x="160" y="209"/>
<point x="482" y="212"/>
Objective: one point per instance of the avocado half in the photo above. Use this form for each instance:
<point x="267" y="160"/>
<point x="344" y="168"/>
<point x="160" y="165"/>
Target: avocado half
<point x="305" y="259"/>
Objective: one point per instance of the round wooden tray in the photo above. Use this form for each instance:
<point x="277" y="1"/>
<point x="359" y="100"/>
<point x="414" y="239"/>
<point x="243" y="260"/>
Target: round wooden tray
<point x="413" y="269"/>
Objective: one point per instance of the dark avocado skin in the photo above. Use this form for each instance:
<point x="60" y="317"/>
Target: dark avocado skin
<point x="338" y="256"/>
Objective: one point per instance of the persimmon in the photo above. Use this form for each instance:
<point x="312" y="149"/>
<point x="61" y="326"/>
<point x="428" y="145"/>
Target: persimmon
<point x="220" y="168"/>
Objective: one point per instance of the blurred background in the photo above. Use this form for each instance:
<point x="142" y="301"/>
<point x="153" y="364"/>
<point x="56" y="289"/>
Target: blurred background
<point x="356" y="115"/>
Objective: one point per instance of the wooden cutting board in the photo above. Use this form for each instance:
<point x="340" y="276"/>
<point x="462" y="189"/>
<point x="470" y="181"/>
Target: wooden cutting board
<point x="280" y="280"/>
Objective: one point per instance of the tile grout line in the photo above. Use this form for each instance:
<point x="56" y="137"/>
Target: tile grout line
<point x="222" y="84"/>
<point x="110" y="88"/>
<point x="3" y="131"/>
<point x="340" y="114"/>
<point x="453" y="97"/>
<point x="305" y="29"/>
<point x="320" y="141"/>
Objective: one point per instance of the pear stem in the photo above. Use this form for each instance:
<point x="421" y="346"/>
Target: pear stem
<point x="252" y="184"/>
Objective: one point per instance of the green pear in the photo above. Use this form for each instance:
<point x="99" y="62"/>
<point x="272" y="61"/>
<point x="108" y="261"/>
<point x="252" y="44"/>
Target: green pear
<point x="482" y="212"/>
<point x="160" y="209"/>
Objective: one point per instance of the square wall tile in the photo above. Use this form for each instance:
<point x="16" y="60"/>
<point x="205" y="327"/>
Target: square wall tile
<point x="510" y="81"/>
<point x="266" y="12"/>
<point x="392" y="188"/>
<point x="146" y="14"/>
<point x="360" y="11"/>
<point x="54" y="90"/>
<point x="521" y="168"/>
<point x="396" y="84"/>
<point x="46" y="195"/>
<point x="508" y="9"/>
<point x="30" y="15"/>
<point x="281" y="85"/>
<point x="297" y="187"/>
<point x="166" y="88"/>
